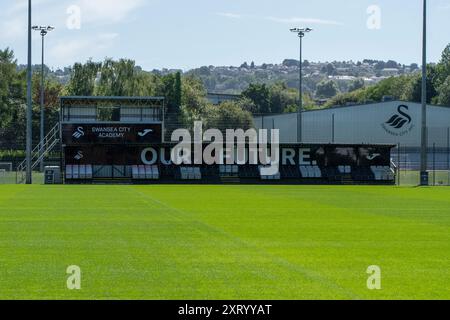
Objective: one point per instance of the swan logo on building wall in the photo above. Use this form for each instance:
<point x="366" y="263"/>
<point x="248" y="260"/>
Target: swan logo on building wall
<point x="400" y="123"/>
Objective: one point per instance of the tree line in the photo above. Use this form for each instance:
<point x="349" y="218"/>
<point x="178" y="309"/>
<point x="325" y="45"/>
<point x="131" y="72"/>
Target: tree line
<point x="406" y="87"/>
<point x="186" y="96"/>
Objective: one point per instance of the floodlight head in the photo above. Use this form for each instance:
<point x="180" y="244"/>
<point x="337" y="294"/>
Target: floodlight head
<point x="43" y="29"/>
<point x="301" y="31"/>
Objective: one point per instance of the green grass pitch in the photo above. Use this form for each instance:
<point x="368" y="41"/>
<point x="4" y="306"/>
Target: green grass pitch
<point x="224" y="242"/>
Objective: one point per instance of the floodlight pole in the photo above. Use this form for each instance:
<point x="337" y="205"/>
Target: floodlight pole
<point x="43" y="31"/>
<point x="29" y="133"/>
<point x="301" y="34"/>
<point x="424" y="177"/>
<point x="300" y="93"/>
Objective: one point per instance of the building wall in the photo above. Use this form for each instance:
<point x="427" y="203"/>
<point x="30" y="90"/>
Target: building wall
<point x="367" y="124"/>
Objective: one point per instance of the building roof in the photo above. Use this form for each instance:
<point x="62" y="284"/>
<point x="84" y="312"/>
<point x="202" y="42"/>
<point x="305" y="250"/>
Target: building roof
<point x="109" y="98"/>
<point x="353" y="106"/>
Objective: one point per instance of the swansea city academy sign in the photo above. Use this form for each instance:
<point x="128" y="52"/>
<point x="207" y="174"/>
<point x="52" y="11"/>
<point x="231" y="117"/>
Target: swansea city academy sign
<point x="74" y="134"/>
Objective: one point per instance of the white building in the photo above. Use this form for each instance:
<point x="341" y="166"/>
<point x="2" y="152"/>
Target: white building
<point x="390" y="72"/>
<point x="393" y="122"/>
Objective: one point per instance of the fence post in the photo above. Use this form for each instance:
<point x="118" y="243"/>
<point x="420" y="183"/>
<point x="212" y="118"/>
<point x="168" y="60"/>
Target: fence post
<point x="398" y="164"/>
<point x="332" y="128"/>
<point x="434" y="164"/>
<point x="448" y="156"/>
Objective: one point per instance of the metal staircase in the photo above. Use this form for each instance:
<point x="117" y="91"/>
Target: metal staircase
<point x="39" y="153"/>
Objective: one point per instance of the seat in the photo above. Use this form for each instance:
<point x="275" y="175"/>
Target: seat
<point x="191" y="175"/>
<point x="197" y="174"/>
<point x="183" y="173"/>
<point x="317" y="172"/>
<point x="89" y="171"/>
<point x="148" y="173"/>
<point x="82" y="172"/>
<point x="303" y="171"/>
<point x="76" y="172"/>
<point x="135" y="172"/>
<point x="155" y="172"/>
<point x="69" y="170"/>
<point x="141" y="172"/>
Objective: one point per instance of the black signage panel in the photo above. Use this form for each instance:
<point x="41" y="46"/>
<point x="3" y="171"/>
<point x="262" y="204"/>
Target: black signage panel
<point x="321" y="155"/>
<point x="374" y="156"/>
<point x="103" y="155"/>
<point x="79" y="134"/>
<point x="341" y="156"/>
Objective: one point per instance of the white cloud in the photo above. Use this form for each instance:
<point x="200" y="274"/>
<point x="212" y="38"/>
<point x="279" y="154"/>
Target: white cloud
<point x="100" y="12"/>
<point x="295" y="20"/>
<point x="108" y="11"/>
<point x="13" y="28"/>
<point x="21" y="6"/>
<point x="68" y="51"/>
<point x="99" y="19"/>
<point x="229" y="15"/>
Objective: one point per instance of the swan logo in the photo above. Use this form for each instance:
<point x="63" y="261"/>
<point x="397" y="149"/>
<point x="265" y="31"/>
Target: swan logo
<point x="78" y="133"/>
<point x="399" y="120"/>
<point x="79" y="155"/>
<point x="400" y="123"/>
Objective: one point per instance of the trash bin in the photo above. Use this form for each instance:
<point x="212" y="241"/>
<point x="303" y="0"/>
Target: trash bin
<point x="52" y="175"/>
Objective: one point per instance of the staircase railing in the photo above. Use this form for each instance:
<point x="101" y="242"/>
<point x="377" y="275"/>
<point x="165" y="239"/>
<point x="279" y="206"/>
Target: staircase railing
<point x="39" y="153"/>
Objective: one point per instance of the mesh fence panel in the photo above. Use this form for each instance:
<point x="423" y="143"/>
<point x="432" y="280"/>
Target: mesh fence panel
<point x="406" y="158"/>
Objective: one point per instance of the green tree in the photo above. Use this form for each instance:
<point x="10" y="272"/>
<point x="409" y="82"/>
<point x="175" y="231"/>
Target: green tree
<point x="170" y="91"/>
<point x="326" y="89"/>
<point x="329" y="69"/>
<point x="177" y="90"/>
<point x="356" y="84"/>
<point x="446" y="55"/>
<point x="12" y="100"/>
<point x="413" y="91"/>
<point x="228" y="115"/>
<point x="444" y="93"/>
<point x="248" y="105"/>
<point x="281" y="97"/>
<point x="82" y="81"/>
<point x="117" y="78"/>
<point x="193" y="93"/>
<point x="260" y="95"/>
<point x="443" y="68"/>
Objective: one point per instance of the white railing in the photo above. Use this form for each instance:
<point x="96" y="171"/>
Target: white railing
<point x="39" y="153"/>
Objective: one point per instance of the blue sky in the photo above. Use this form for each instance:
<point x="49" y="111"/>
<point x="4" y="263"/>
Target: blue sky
<point x="191" y="33"/>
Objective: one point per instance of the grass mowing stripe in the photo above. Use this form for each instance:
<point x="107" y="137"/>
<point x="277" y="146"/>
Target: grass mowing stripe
<point x="309" y="274"/>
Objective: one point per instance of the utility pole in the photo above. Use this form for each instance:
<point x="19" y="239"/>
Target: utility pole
<point x="43" y="31"/>
<point x="301" y="32"/>
<point x="29" y="134"/>
<point x="424" y="177"/>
